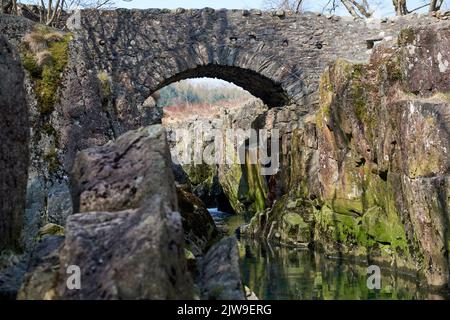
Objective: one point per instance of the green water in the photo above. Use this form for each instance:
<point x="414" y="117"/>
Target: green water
<point x="276" y="272"/>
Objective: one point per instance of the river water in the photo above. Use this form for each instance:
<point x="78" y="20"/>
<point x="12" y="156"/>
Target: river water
<point x="275" y="272"/>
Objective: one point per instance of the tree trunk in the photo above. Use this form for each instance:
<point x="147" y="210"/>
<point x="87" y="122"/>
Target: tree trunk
<point x="51" y="18"/>
<point x="350" y="9"/>
<point x="435" y="5"/>
<point x="14" y="7"/>
<point x="400" y="7"/>
<point x="49" y="10"/>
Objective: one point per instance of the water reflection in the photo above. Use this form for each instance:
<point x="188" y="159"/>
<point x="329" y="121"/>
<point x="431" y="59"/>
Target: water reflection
<point x="274" y="272"/>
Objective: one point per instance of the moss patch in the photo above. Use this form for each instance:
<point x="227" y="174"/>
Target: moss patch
<point x="47" y="65"/>
<point x="51" y="158"/>
<point x="406" y="36"/>
<point x="50" y="229"/>
<point x="106" y="83"/>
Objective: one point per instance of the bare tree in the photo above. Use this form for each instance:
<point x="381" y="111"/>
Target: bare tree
<point x="400" y="7"/>
<point x="291" y="5"/>
<point x="358" y="9"/>
<point x="8" y="6"/>
<point x="51" y="10"/>
<point x="435" y="5"/>
<point x="330" y="6"/>
<point x="94" y="4"/>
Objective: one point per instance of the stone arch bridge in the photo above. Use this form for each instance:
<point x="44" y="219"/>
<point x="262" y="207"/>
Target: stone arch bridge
<point x="118" y="59"/>
<point x="277" y="56"/>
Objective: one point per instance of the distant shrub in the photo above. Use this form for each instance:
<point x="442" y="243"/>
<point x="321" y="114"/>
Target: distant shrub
<point x="187" y="93"/>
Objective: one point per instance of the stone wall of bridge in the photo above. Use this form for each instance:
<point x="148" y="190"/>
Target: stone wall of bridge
<point x="277" y="56"/>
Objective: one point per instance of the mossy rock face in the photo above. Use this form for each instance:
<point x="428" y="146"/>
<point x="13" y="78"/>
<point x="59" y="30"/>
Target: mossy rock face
<point x="295" y="229"/>
<point x="294" y="220"/>
<point x="350" y="207"/>
<point x="284" y="223"/>
<point x="253" y="188"/>
<point x="407" y="36"/>
<point x="200" y="173"/>
<point x="384" y="228"/>
<point x="341" y="228"/>
<point x="46" y="73"/>
<point x="244" y="186"/>
<point x="51" y="158"/>
<point x="376" y="188"/>
<point x="50" y="229"/>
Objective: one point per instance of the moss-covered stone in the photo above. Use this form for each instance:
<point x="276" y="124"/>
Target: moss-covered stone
<point x="245" y="187"/>
<point x="406" y="37"/>
<point x="52" y="160"/>
<point x="47" y="74"/>
<point x="50" y="229"/>
<point x="384" y="227"/>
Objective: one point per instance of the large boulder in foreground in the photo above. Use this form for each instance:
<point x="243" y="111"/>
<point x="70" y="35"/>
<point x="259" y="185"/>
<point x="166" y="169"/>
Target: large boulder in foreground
<point x="131" y="254"/>
<point x="128" y="241"/>
<point x="14" y="153"/>
<point x="123" y="174"/>
<point x="220" y="274"/>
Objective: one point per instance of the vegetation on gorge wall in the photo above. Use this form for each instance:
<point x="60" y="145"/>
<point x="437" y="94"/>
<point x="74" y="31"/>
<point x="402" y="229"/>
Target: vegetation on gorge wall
<point x="45" y="56"/>
<point x="380" y="153"/>
<point x="185" y="93"/>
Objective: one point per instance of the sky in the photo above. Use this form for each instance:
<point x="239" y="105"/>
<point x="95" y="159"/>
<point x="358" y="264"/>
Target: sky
<point x="381" y="7"/>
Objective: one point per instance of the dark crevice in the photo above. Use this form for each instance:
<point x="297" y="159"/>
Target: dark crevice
<point x="383" y="175"/>
<point x="361" y="162"/>
<point x="349" y="137"/>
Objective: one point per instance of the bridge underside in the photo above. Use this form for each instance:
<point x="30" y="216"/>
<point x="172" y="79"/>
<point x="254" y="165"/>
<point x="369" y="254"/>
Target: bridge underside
<point x="271" y="93"/>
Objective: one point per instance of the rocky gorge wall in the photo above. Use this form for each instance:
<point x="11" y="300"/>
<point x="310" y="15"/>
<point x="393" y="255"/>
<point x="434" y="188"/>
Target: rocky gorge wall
<point x="369" y="171"/>
<point x="104" y="76"/>
<point x="364" y="170"/>
<point x="14" y="151"/>
<point x="236" y="187"/>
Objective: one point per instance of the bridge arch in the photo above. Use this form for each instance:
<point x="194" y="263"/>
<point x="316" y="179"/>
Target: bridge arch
<point x="278" y="58"/>
<point x="270" y="92"/>
<point x="276" y="83"/>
